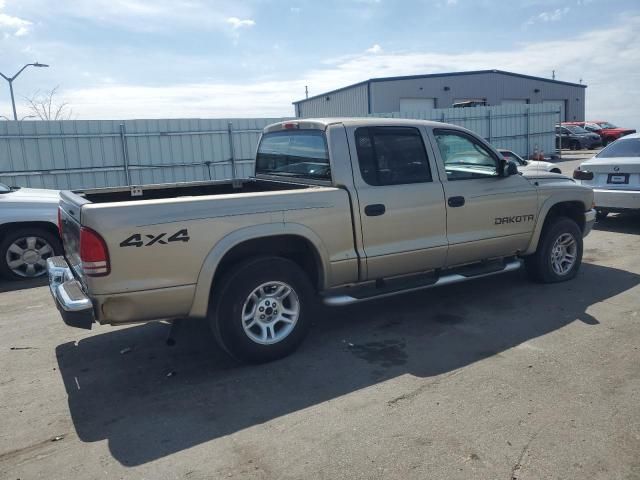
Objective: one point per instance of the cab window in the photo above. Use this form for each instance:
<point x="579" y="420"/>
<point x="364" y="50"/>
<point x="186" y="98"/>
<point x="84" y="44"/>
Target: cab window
<point x="465" y="157"/>
<point x="392" y="155"/>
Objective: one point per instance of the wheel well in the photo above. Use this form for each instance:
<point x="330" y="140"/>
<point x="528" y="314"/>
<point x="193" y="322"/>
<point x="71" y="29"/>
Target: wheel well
<point x="292" y="247"/>
<point x="556" y="170"/>
<point x="48" y="226"/>
<point x="572" y="210"/>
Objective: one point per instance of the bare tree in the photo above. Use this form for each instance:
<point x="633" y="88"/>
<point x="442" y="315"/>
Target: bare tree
<point x="46" y="106"/>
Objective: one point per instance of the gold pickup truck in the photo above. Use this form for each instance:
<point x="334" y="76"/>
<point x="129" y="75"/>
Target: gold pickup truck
<point x="339" y="210"/>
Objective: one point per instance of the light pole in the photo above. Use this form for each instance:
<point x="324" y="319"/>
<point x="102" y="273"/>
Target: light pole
<point x="11" y="79"/>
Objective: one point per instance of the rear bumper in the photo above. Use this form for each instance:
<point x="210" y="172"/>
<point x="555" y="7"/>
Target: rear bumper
<point x="74" y="305"/>
<point x="589" y="220"/>
<point x="613" y="199"/>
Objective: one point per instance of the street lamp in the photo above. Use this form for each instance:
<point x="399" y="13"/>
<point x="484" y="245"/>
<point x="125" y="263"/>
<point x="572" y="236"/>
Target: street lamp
<point x="11" y="79"/>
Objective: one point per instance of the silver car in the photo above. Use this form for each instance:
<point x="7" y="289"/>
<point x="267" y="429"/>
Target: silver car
<point x="28" y="231"/>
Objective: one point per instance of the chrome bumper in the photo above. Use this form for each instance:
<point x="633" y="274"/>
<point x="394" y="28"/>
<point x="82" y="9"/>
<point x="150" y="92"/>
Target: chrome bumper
<point x="74" y="305"/>
<point x="589" y="220"/>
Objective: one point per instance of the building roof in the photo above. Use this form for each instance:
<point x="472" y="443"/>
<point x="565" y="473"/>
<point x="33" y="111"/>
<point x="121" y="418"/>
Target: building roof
<point x="434" y="75"/>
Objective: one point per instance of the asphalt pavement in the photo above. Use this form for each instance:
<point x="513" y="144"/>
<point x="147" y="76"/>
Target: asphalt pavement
<point x="498" y="378"/>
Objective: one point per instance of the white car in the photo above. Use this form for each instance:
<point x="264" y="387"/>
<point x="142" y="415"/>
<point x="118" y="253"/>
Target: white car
<point x="28" y="231"/>
<point x="614" y="175"/>
<point x="529" y="165"/>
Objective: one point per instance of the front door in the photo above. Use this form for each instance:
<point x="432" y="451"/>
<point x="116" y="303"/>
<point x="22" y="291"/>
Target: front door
<point x="400" y="201"/>
<point x="488" y="215"/>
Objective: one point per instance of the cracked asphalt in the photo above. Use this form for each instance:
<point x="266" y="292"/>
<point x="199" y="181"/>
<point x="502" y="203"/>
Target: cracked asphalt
<point x="493" y="379"/>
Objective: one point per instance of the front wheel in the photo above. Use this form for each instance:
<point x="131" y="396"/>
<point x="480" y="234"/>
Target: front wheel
<point x="559" y="252"/>
<point x="262" y="309"/>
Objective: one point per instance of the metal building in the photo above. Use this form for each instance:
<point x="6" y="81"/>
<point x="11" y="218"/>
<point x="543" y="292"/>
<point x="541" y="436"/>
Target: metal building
<point x="421" y="93"/>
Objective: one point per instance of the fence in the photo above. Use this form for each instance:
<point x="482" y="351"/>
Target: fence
<point x="92" y="153"/>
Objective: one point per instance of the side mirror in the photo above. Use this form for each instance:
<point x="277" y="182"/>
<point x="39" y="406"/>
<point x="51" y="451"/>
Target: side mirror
<point x="509" y="168"/>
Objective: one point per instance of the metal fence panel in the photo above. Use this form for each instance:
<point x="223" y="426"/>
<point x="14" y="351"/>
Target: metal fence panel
<point x="76" y="154"/>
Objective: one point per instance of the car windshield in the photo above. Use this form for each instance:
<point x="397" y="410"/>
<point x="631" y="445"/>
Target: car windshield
<point x="625" y="147"/>
<point x="294" y="153"/>
<point x="575" y="129"/>
<point x="607" y="125"/>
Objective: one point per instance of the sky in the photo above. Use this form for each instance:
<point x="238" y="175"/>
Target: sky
<point x="120" y="59"/>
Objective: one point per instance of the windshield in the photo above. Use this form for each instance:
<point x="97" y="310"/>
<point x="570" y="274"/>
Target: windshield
<point x="294" y="153"/>
<point x="575" y="129"/>
<point x="607" y="125"/>
<point x="625" y="147"/>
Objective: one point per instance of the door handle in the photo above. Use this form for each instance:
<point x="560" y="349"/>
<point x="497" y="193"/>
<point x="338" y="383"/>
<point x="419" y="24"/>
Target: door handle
<point x="455" y="201"/>
<point x="374" y="210"/>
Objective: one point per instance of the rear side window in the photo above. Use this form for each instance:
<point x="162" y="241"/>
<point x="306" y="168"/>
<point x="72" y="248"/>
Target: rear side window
<point x="294" y="153"/>
<point x="392" y="155"/>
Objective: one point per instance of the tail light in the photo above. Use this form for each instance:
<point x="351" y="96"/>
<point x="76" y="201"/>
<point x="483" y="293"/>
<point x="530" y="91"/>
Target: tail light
<point x="60" y="222"/>
<point x="93" y="254"/>
<point x="582" y="175"/>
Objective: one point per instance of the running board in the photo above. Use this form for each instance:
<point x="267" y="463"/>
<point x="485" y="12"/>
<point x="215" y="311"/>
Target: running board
<point x="345" y="299"/>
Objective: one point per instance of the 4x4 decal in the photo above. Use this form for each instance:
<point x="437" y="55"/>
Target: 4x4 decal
<point x="138" y="239"/>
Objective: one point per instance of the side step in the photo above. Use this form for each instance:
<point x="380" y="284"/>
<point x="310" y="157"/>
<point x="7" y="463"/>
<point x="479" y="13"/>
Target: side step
<point x="356" y="294"/>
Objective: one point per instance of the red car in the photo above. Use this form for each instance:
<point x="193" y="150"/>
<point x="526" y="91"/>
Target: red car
<point x="607" y="131"/>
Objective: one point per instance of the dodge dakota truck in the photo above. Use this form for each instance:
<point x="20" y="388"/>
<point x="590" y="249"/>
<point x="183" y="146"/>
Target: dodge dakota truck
<point x="339" y="211"/>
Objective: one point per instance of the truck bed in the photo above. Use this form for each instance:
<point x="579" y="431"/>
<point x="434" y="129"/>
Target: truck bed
<point x="186" y="189"/>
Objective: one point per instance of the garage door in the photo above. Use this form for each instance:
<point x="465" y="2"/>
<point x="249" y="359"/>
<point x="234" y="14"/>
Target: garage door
<point x="560" y="106"/>
<point x="408" y="105"/>
<point x="514" y="101"/>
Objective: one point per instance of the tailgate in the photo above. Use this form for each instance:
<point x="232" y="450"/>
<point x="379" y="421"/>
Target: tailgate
<point x="70" y="222"/>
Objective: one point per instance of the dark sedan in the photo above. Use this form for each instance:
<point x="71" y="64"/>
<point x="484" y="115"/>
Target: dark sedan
<point x="576" y="138"/>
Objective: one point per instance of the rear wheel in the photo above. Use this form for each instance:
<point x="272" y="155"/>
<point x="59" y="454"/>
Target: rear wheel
<point x="574" y="145"/>
<point x="559" y="252"/>
<point x="262" y="309"/>
<point x="24" y="253"/>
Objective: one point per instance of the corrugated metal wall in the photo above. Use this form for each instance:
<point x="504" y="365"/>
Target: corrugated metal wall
<point x="88" y="154"/>
<point x="520" y="128"/>
<point x="352" y="101"/>
<point x="78" y="154"/>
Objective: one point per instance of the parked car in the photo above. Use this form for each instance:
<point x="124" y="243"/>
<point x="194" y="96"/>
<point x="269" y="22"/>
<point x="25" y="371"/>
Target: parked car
<point x="614" y="175"/>
<point x="28" y="231"/>
<point x="576" y="138"/>
<point x="397" y="210"/>
<point x="607" y="131"/>
<point x="529" y="165"/>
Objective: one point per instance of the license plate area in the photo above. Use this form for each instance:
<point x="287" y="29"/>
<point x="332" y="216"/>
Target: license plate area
<point x="618" y="178"/>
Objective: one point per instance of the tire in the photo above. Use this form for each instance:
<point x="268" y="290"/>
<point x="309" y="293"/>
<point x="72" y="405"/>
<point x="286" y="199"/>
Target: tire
<point x="601" y="214"/>
<point x="255" y="340"/>
<point x="540" y="266"/>
<point x="555" y="170"/>
<point x="575" y="145"/>
<point x="23" y="253"/>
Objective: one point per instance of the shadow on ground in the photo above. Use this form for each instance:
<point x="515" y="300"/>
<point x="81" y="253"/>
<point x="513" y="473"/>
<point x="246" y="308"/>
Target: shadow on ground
<point x="13" y="285"/>
<point x="620" y="223"/>
<point x="144" y="414"/>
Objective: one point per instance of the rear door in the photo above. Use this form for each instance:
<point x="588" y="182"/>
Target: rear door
<point x="400" y="201"/>
<point x="487" y="215"/>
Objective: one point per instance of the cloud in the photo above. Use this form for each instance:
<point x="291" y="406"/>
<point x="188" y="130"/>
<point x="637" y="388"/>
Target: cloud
<point x="374" y="49"/>
<point x="257" y="96"/>
<point x="17" y="25"/>
<point x="236" y="23"/>
<point x="452" y="2"/>
<point x="552" y="16"/>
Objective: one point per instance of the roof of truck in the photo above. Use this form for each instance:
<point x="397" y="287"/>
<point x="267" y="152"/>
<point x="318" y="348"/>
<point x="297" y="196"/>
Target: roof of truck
<point x="322" y="123"/>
